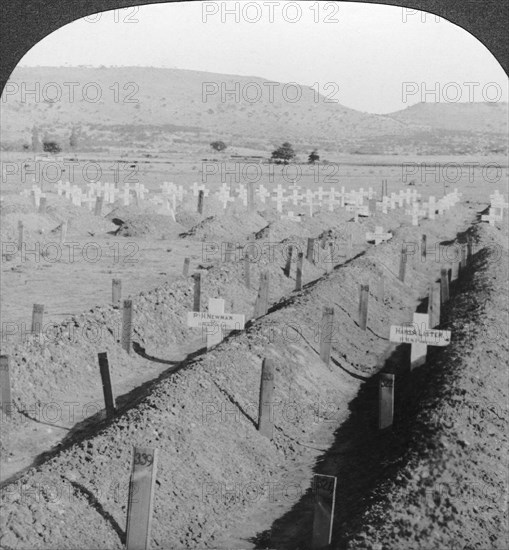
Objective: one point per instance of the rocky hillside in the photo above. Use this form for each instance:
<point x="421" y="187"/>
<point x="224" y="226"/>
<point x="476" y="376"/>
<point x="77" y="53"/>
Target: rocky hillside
<point x="173" y="110"/>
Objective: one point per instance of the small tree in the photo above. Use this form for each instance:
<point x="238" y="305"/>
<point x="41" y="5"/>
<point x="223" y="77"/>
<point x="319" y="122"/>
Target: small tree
<point x="218" y="145"/>
<point x="36" y="142"/>
<point x="73" y="139"/>
<point x="284" y="153"/>
<point x="51" y="146"/>
<point x="313" y="157"/>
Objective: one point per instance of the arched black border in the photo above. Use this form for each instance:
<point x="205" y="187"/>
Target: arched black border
<point x="23" y="23"/>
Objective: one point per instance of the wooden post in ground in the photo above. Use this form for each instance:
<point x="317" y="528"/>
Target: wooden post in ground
<point x="434" y="305"/>
<point x="380" y="288"/>
<point x="418" y="350"/>
<point x="444" y="286"/>
<point x="469" y="249"/>
<point x="106" y="381"/>
<point x="5" y="383"/>
<point x="20" y="235"/>
<point x="116" y="292"/>
<point x="185" y="270"/>
<point x="325" y="500"/>
<point x="37" y="316"/>
<point x="42" y="205"/>
<point x="326" y="332"/>
<point x="330" y="265"/>
<point x="197" y="292"/>
<point x="262" y="301"/>
<point x="265" y="406"/>
<point x="402" y="264"/>
<point x="363" y="307"/>
<point x="98" y="206"/>
<point x="251" y="197"/>
<point x="463" y="265"/>
<point x="141" y="497"/>
<point x="298" y="277"/>
<point x="288" y="265"/>
<point x="423" y="248"/>
<point x="63" y="231"/>
<point x="247" y="270"/>
<point x="385" y="400"/>
<point x="201" y="194"/>
<point x="455" y="268"/>
<point x="127" y="320"/>
<point x="310" y="250"/>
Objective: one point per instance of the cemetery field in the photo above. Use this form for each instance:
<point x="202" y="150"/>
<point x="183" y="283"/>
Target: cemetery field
<point x="291" y="371"/>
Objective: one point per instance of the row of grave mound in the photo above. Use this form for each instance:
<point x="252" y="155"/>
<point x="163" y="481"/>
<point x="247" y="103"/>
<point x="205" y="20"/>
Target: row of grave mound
<point x="169" y="413"/>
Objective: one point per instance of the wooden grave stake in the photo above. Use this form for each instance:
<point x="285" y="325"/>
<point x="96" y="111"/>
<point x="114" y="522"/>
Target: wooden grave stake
<point x="298" y="277"/>
<point x="5" y="383"/>
<point x="363" y="307"/>
<point x="42" y="205"/>
<point x="419" y="350"/>
<point x="310" y="250"/>
<point x="419" y="336"/>
<point x="423" y="248"/>
<point x="380" y="288"/>
<point x="20" y="234"/>
<point x="444" y="286"/>
<point x="127" y="319"/>
<point x="325" y="500"/>
<point x="247" y="270"/>
<point x="288" y="265"/>
<point x="265" y="406"/>
<point x="402" y="264"/>
<point x="63" y="231"/>
<point x="326" y="332"/>
<point x="251" y="197"/>
<point x="469" y="249"/>
<point x="141" y="498"/>
<point x="106" y="381"/>
<point x="463" y="264"/>
<point x="185" y="270"/>
<point x="98" y="206"/>
<point x="455" y="268"/>
<point x="200" y="201"/>
<point x="434" y="305"/>
<point x="385" y="400"/>
<point x="37" y="316"/>
<point x="262" y="300"/>
<point x="197" y="292"/>
<point x="330" y="265"/>
<point x="116" y="292"/>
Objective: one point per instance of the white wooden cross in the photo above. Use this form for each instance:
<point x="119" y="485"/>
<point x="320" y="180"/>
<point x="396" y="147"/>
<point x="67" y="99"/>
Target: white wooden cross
<point x="242" y="193"/>
<point x="292" y="217"/>
<point x="215" y="321"/>
<point x="77" y="195"/>
<point x="491" y="217"/>
<point x="378" y="236"/>
<point x="224" y="195"/>
<point x="319" y="195"/>
<point x="332" y="198"/>
<point x="309" y="195"/>
<point x="195" y="188"/>
<point x="295" y="197"/>
<point x="262" y="193"/>
<point x="88" y="201"/>
<point x="420" y="336"/>
<point x="279" y="197"/>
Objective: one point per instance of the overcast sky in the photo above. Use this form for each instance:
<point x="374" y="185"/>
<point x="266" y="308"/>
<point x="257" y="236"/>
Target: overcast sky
<point x="368" y="51"/>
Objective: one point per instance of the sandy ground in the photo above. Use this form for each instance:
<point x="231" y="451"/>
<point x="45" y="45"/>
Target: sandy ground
<point x="215" y="469"/>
